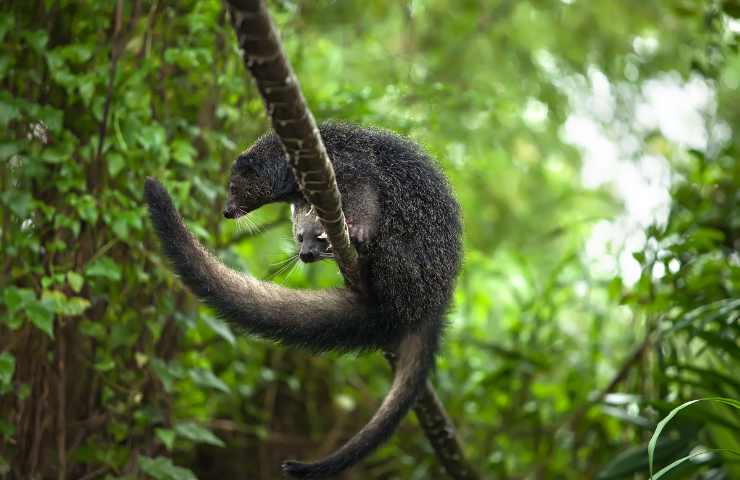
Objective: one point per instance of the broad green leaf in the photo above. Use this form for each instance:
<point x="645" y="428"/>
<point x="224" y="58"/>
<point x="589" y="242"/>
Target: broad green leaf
<point x="219" y="327"/>
<point x="183" y="152"/>
<point x="152" y="138"/>
<point x="206" y="378"/>
<point x="8" y="111"/>
<point x="196" y="433"/>
<point x="42" y="317"/>
<point x="167" y="437"/>
<point x="104" y="267"/>
<point x="16" y="298"/>
<point x="116" y="163"/>
<point x="87" y="208"/>
<point x="161" y="468"/>
<point x="37" y="39"/>
<point x="120" y="228"/>
<point x="19" y="203"/>
<point x="167" y="372"/>
<point x="60" y="304"/>
<point x="87" y="90"/>
<point x="75" y="281"/>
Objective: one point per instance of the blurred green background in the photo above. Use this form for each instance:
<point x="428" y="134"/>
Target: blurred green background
<point x="592" y="145"/>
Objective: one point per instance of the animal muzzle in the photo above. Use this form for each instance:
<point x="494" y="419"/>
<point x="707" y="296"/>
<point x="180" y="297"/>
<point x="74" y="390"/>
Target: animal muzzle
<point x="309" y="256"/>
<point x="230" y="211"/>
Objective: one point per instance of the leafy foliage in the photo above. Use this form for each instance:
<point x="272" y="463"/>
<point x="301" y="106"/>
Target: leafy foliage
<point x="551" y="369"/>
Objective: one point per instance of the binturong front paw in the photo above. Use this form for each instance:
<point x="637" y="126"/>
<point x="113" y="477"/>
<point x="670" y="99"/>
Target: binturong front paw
<point x="358" y="234"/>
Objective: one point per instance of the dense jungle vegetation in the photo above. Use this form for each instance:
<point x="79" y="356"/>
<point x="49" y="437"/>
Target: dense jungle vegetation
<point x="592" y="145"/>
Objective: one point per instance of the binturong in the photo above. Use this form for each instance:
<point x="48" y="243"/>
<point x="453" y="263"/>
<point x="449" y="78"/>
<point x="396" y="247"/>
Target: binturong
<point x="406" y="225"/>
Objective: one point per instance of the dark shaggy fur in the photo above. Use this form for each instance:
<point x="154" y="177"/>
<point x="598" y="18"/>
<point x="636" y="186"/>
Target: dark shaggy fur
<point x="409" y="265"/>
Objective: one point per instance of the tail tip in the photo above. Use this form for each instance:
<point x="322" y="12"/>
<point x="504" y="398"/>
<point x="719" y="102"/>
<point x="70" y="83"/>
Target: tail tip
<point x="155" y="194"/>
<point x="152" y="186"/>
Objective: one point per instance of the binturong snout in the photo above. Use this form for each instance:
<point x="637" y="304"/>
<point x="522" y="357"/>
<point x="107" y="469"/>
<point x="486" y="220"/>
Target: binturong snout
<point x="308" y="255"/>
<point x="230" y="211"/>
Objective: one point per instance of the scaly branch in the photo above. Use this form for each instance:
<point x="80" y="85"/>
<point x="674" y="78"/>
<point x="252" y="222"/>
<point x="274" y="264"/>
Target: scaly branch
<point x="295" y="126"/>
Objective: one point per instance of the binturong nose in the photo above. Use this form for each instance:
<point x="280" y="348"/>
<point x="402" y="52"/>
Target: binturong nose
<point x="308" y="256"/>
<point x="229" y="211"/>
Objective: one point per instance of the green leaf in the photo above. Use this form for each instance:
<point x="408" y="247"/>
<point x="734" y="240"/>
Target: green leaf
<point x="206" y="378"/>
<point x="42" y="317"/>
<point x="167" y="372"/>
<point x="87" y="90"/>
<point x="120" y="228"/>
<point x="152" y="138"/>
<point x="87" y="208"/>
<point x="92" y="329"/>
<point x="75" y="281"/>
<point x="183" y="152"/>
<point x="196" y="433"/>
<point x="19" y="203"/>
<point x="60" y="304"/>
<point x="17" y="298"/>
<point x="105" y="365"/>
<point x="7" y="369"/>
<point x="104" y="267"/>
<point x="167" y="437"/>
<point x="8" y="148"/>
<point x="78" y="53"/>
<point x="115" y="162"/>
<point x="8" y="111"/>
<point x="52" y="118"/>
<point x="220" y="328"/>
<point x="662" y="424"/>
<point x="37" y="39"/>
<point x="161" y="468"/>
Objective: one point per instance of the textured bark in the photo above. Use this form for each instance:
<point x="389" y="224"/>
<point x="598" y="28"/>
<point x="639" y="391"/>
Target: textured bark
<point x="295" y="126"/>
<point x="440" y="432"/>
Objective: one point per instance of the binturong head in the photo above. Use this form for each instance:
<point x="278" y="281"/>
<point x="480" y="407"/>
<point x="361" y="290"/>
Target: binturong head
<point x="260" y="176"/>
<point x="248" y="191"/>
<point x="310" y="236"/>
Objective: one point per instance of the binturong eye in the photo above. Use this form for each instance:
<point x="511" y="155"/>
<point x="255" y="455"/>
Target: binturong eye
<point x="322" y="236"/>
<point x="300" y="238"/>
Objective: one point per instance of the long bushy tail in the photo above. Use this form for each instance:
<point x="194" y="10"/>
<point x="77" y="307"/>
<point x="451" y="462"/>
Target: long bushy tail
<point x="415" y="359"/>
<point x="328" y="319"/>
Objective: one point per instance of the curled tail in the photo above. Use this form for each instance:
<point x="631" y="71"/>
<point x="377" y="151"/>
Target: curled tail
<point x="328" y="319"/>
<point x="415" y="357"/>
